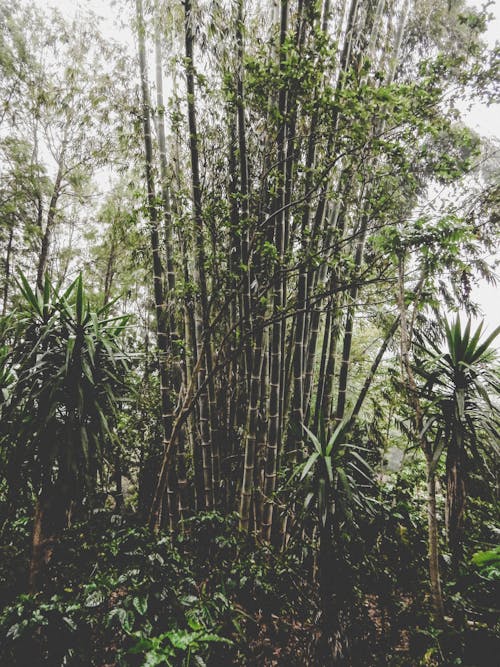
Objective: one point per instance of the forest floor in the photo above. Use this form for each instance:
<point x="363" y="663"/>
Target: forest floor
<point x="116" y="595"/>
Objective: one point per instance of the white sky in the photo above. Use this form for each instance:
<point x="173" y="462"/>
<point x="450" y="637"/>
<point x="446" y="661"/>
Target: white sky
<point x="484" y="120"/>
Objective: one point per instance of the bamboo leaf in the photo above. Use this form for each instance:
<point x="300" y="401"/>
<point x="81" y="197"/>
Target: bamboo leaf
<point x="85" y="444"/>
<point x="70" y="346"/>
<point x="28" y="294"/>
<point x="344" y="482"/>
<point x="308" y="499"/>
<point x="363" y="462"/>
<point x="475" y="338"/>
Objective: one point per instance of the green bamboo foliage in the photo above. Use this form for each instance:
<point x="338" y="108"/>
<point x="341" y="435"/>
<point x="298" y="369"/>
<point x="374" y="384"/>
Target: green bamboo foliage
<point x="268" y="249"/>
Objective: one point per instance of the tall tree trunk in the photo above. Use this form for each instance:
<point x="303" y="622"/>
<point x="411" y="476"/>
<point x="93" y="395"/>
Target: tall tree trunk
<point x="163" y="339"/>
<point x="246" y="313"/>
<point x="174" y="362"/>
<point x="455" y="493"/>
<point x="331" y="333"/>
<point x="432" y="525"/>
<point x="373" y="369"/>
<point x="7" y="268"/>
<point x="43" y="256"/>
<point x="110" y="270"/>
<point x="207" y="414"/>
<point x="117" y="477"/>
<point x="303" y="313"/>
<point x="276" y="357"/>
<point x="165" y="189"/>
<point x="251" y="433"/>
<point x="349" y="322"/>
<point x="51" y="518"/>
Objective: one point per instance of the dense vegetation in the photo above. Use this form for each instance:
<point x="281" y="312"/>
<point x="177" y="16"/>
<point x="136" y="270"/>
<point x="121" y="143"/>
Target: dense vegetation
<point x="247" y="416"/>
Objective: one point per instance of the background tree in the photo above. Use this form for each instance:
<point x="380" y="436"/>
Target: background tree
<point x="462" y="382"/>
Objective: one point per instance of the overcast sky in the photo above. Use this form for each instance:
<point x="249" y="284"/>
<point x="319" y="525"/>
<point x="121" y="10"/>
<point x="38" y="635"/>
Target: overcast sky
<point x="484" y="120"/>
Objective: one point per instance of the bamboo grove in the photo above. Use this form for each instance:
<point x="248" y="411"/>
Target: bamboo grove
<point x="278" y="208"/>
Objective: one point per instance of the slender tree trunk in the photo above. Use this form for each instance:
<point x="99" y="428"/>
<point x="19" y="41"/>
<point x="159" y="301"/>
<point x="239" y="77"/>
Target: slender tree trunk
<point x="330" y="349"/>
<point x="50" y="223"/>
<point x="244" y="192"/>
<point x="433" y="545"/>
<point x="349" y="325"/>
<point x="110" y="270"/>
<point x="175" y="372"/>
<point x="303" y="292"/>
<point x="163" y="339"/>
<point x="190" y="354"/>
<point x="207" y="416"/>
<point x="251" y="434"/>
<point x="7" y="267"/>
<point x="376" y="363"/>
<point x="455" y="494"/>
<point x="117" y="475"/>
<point x="331" y="333"/>
<point x="275" y="383"/>
<point x="165" y="189"/>
<point x="432" y="525"/>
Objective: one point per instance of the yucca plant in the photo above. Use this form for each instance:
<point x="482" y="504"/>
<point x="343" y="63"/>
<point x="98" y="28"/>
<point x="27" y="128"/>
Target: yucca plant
<point x="332" y="473"/>
<point x="462" y="383"/>
<point x="335" y="463"/>
<point x="69" y="372"/>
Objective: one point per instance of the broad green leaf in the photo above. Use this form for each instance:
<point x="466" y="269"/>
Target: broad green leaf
<point x="140" y="604"/>
<point x="94" y="599"/>
<point x="485" y="345"/>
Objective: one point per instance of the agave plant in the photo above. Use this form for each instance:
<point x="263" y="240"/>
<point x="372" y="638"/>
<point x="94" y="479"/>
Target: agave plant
<point x="462" y="383"/>
<point x="69" y="370"/>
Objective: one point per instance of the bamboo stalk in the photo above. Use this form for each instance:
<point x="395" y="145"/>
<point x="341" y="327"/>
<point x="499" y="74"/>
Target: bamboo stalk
<point x="210" y="453"/>
<point x="275" y="380"/>
<point x="158" y="272"/>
